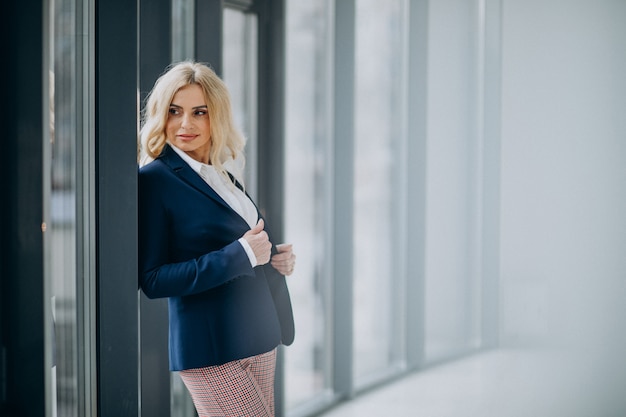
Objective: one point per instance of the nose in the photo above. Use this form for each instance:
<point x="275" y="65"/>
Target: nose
<point x="185" y="120"/>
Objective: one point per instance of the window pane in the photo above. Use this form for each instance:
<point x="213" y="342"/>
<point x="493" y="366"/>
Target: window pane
<point x="307" y="202"/>
<point x="240" y="75"/>
<point x="62" y="192"/>
<point x="379" y="198"/>
<point x="452" y="241"/>
<point x="183" y="29"/>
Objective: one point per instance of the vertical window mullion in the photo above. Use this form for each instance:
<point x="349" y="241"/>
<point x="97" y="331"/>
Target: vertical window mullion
<point x="116" y="207"/>
<point x="343" y="173"/>
<point x="85" y="210"/>
<point x="208" y="33"/>
<point x="416" y="181"/>
<point x="491" y="174"/>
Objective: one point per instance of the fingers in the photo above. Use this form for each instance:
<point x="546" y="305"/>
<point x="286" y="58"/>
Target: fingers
<point x="284" y="247"/>
<point x="259" y="243"/>
<point x="285" y="260"/>
<point x="258" y="228"/>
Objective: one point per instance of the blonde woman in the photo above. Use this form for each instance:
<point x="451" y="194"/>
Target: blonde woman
<point x="204" y="245"/>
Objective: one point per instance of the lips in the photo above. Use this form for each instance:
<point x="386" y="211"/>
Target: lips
<point x="187" y="137"/>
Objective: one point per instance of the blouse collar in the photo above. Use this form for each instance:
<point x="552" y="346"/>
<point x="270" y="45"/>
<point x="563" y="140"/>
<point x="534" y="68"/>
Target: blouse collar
<point x="195" y="165"/>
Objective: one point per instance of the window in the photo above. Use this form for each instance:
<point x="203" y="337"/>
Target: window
<point x="69" y="227"/>
<point x="239" y="57"/>
<point x="183" y="25"/>
<point x="379" y="193"/>
<point x="308" y="133"/>
<point x="453" y="242"/>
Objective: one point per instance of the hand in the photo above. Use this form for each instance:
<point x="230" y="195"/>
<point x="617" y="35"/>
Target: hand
<point x="285" y="260"/>
<point x="259" y="243"/>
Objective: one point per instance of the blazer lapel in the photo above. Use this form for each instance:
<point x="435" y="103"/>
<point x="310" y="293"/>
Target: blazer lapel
<point x="188" y="175"/>
<point x="238" y="185"/>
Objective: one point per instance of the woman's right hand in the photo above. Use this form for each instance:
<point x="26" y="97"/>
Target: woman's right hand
<point x="259" y="243"/>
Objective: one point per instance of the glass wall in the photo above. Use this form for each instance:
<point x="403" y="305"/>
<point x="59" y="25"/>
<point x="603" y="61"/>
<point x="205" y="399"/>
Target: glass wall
<point x="307" y="203"/>
<point x="183" y="27"/>
<point x="379" y="243"/>
<point x="380" y="325"/>
<point x="239" y="66"/>
<point x="67" y="190"/>
<point x="453" y="191"/>
<point x="379" y="193"/>
<point x="450" y="312"/>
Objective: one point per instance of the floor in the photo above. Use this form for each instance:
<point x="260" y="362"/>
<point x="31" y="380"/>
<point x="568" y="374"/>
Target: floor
<point x="502" y="383"/>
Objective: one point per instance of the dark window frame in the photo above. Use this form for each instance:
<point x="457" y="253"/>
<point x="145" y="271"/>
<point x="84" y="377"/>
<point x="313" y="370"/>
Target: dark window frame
<point x="22" y="324"/>
<point x="116" y="208"/>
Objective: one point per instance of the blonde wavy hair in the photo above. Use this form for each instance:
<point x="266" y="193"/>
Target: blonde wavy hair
<point x="227" y="142"/>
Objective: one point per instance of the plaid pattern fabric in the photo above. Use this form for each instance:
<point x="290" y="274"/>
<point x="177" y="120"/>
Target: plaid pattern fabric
<point x="241" y="388"/>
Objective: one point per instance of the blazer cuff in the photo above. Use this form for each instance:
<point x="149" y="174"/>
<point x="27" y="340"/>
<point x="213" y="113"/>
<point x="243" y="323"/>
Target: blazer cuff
<point x="246" y="246"/>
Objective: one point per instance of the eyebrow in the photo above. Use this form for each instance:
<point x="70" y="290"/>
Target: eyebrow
<point x="204" y="106"/>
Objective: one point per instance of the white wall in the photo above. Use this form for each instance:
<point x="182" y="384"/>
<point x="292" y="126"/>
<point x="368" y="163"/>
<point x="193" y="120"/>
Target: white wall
<point x="563" y="186"/>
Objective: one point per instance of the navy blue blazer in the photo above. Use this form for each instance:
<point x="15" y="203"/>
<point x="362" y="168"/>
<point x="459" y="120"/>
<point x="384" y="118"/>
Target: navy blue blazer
<point x="220" y="308"/>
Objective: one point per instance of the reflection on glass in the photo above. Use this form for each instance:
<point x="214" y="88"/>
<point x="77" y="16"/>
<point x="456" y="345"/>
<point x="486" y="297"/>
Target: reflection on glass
<point x="61" y="260"/>
<point x="307" y="202"/>
<point x="452" y="246"/>
<point x="181" y="404"/>
<point x="240" y="75"/>
<point x="183" y="29"/>
<point x="379" y="140"/>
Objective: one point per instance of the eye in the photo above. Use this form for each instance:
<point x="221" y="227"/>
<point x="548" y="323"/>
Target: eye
<point x="173" y="111"/>
<point x="200" y="112"/>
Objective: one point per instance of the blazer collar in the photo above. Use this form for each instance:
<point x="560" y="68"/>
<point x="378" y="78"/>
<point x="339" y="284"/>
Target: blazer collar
<point x="170" y="158"/>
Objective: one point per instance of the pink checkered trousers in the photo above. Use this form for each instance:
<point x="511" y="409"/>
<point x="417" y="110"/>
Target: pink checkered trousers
<point x="241" y="388"/>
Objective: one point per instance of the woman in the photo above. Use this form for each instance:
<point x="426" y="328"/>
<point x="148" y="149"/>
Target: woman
<point x="204" y="245"/>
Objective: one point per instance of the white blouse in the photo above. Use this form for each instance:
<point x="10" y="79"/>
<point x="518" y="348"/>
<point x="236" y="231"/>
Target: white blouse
<point x="230" y="193"/>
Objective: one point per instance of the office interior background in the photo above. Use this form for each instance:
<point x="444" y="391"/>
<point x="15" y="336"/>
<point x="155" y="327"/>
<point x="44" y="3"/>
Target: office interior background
<point x="451" y="173"/>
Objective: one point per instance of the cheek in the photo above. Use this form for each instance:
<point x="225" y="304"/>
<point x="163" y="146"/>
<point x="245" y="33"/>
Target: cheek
<point x="169" y="127"/>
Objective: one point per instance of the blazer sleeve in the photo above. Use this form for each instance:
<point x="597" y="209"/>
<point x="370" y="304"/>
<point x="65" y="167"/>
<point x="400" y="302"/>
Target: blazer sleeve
<point x="196" y="275"/>
<point x="158" y="275"/>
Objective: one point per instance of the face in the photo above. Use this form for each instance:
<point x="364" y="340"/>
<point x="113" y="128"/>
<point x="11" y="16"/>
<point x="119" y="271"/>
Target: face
<point x="188" y="126"/>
